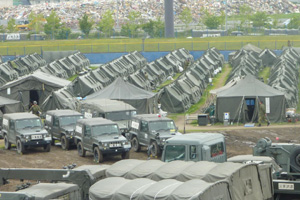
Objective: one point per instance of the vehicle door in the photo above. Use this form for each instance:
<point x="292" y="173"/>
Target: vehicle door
<point x="193" y="153"/>
<point x="12" y="132"/>
<point x="144" y="132"/>
<point x="55" y="127"/>
<point x="87" y="139"/>
<point x="49" y="123"/>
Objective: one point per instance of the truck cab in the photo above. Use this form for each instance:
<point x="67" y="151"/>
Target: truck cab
<point x="195" y="147"/>
<point x="151" y="130"/>
<point x="61" y="125"/>
<point x="25" y="130"/>
<point x="114" y="110"/>
<point x="102" y="137"/>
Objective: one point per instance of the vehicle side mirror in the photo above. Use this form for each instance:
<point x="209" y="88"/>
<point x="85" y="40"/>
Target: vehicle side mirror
<point x="46" y="127"/>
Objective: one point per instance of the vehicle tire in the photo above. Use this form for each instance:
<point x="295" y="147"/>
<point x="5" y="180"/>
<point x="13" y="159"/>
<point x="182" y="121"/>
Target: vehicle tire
<point x="65" y="144"/>
<point x="53" y="142"/>
<point x="7" y="144"/>
<point x="20" y="147"/>
<point x="81" y="150"/>
<point x="47" y="147"/>
<point x="98" y="157"/>
<point x="295" y="160"/>
<point x="125" y="155"/>
<point x="155" y="150"/>
<point x="135" y="144"/>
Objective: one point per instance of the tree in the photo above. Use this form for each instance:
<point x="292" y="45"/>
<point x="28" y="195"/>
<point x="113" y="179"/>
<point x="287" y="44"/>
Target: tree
<point x="294" y="23"/>
<point x="186" y="17"/>
<point x="53" y="24"/>
<point x="211" y="21"/>
<point x="86" y="24"/>
<point x="2" y="30"/>
<point x="134" y="22"/>
<point x="11" y="25"/>
<point x="259" y="19"/>
<point x="37" y="22"/>
<point x="107" y="23"/>
<point x="154" y="28"/>
<point x="245" y="12"/>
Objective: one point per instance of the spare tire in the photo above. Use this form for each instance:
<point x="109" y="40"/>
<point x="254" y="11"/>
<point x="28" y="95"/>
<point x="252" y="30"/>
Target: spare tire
<point x="295" y="160"/>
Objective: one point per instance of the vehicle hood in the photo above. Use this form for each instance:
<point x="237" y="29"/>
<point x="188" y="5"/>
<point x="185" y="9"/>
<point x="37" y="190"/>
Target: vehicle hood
<point x="69" y="128"/>
<point x="123" y="124"/>
<point x="32" y="131"/>
<point x="110" y="138"/>
<point x="166" y="134"/>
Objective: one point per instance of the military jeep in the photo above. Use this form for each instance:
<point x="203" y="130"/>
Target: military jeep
<point x="25" y="130"/>
<point x="151" y="130"/>
<point x="102" y="137"/>
<point x="61" y="125"/>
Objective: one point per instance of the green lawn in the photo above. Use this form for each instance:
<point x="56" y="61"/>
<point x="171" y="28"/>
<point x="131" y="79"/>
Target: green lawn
<point x="128" y="45"/>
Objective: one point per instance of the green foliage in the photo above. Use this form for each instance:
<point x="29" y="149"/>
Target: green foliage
<point x="53" y="24"/>
<point x="11" y="26"/>
<point x="186" y="17"/>
<point x="211" y="21"/>
<point x="86" y="25"/>
<point x="107" y="23"/>
<point x="245" y="12"/>
<point x="294" y="23"/>
<point x="63" y="32"/>
<point x="259" y="19"/>
<point x="154" y="28"/>
<point x="36" y="22"/>
<point x="133" y="24"/>
<point x="2" y="29"/>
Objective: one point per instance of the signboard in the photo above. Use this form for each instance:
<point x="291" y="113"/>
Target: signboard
<point x="226" y="115"/>
<point x="78" y="129"/>
<point x="135" y="125"/>
<point x="267" y="105"/>
<point x="88" y="115"/>
<point x="13" y="36"/>
<point x="48" y="118"/>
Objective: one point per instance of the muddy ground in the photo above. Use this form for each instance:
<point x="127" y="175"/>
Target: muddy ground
<point x="239" y="140"/>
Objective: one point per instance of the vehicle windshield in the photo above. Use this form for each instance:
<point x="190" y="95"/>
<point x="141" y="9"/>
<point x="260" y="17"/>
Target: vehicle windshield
<point x="162" y="125"/>
<point x="121" y="115"/>
<point x="69" y="120"/>
<point x="105" y="129"/>
<point x="28" y="123"/>
<point x="174" y="152"/>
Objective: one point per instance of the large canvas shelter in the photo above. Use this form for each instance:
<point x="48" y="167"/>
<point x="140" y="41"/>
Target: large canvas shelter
<point x="33" y="87"/>
<point x="10" y="106"/>
<point x="144" y="101"/>
<point x="241" y="101"/>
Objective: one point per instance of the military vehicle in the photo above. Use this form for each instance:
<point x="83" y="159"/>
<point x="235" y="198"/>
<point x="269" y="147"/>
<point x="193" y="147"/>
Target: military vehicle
<point x="61" y="125"/>
<point x="114" y="110"/>
<point x="25" y="130"/>
<point x="287" y="155"/>
<point x="151" y="130"/>
<point x="69" y="183"/>
<point x="102" y="137"/>
<point x="195" y="147"/>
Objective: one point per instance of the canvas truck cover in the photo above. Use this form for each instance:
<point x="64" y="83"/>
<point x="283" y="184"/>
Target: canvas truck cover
<point x="45" y="191"/>
<point x="144" y="189"/>
<point x="244" y="180"/>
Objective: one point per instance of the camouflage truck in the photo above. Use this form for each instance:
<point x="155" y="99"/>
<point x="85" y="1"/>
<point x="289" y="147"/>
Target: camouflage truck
<point x="61" y="125"/>
<point x="102" y="137"/>
<point x="25" y="130"/>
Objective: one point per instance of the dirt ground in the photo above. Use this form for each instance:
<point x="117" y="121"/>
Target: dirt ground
<point x="239" y="140"/>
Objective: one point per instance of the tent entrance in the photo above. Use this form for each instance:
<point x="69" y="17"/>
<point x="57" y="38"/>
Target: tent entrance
<point x="250" y="102"/>
<point x="33" y="96"/>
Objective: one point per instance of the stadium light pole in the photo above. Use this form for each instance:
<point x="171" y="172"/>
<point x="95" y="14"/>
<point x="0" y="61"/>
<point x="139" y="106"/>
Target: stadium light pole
<point x="225" y="15"/>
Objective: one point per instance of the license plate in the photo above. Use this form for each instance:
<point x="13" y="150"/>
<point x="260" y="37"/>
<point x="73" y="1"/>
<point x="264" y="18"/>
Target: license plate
<point x="115" y="145"/>
<point x="36" y="137"/>
<point x="286" y="186"/>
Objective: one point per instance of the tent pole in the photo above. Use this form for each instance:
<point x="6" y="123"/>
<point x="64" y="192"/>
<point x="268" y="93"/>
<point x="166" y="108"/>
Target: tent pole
<point x="240" y="110"/>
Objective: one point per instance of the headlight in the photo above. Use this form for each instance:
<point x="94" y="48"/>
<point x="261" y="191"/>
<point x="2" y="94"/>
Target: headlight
<point x="104" y="144"/>
<point x="27" y="137"/>
<point x="125" y="143"/>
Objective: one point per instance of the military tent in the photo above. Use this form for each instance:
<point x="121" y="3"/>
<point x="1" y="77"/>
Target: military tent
<point x="60" y="99"/>
<point x="33" y="87"/>
<point x="241" y="101"/>
<point x="144" y="101"/>
<point x="10" y="106"/>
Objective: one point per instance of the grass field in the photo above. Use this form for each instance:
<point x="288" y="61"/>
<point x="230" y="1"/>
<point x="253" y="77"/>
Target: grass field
<point x="149" y="45"/>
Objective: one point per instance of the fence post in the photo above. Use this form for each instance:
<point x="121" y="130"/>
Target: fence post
<point x="258" y="43"/>
<point x="225" y="46"/>
<point x="108" y="48"/>
<point x="91" y="48"/>
<point x="41" y="50"/>
<point x="157" y="46"/>
<point x="74" y="47"/>
<point x="275" y="45"/>
<point x="24" y="51"/>
<point x="207" y="45"/>
<point x="125" y="47"/>
<point x="174" y="45"/>
<point x="57" y="47"/>
<point x="7" y="50"/>
<point x="192" y="46"/>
